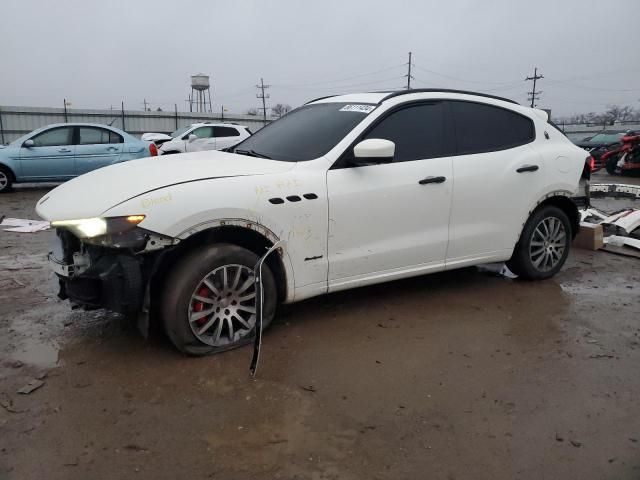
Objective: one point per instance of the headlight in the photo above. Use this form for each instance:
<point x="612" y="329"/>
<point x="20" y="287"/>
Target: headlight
<point x="95" y="227"/>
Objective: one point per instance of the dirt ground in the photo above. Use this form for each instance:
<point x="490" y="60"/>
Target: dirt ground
<point x="460" y="375"/>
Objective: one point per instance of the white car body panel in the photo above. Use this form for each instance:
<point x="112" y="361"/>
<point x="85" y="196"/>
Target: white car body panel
<point x="89" y="195"/>
<point x="184" y="144"/>
<point x="367" y="224"/>
<point x="369" y="236"/>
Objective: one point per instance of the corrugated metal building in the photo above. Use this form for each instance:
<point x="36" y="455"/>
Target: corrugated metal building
<point x="16" y="121"/>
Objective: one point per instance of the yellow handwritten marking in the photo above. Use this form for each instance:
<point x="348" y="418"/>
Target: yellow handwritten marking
<point x="150" y="202"/>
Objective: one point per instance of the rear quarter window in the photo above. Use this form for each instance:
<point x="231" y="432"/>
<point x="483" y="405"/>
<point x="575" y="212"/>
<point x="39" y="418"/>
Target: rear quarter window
<point x="485" y="128"/>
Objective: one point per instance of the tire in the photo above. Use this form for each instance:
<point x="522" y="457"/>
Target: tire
<point x="6" y="179"/>
<point x="543" y="246"/>
<point x="612" y="164"/>
<point x="195" y="274"/>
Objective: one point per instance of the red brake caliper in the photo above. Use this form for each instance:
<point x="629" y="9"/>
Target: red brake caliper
<point x="199" y="306"/>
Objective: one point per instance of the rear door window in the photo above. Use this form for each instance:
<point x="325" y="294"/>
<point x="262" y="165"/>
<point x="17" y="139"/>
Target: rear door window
<point x="484" y="128"/>
<point x="225" y="132"/>
<point x="97" y="136"/>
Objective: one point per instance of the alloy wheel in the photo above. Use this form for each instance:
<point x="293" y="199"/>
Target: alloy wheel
<point x="548" y="243"/>
<point x="222" y="309"/>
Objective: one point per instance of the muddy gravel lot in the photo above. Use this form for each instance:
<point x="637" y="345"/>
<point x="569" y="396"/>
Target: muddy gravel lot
<point x="460" y="375"/>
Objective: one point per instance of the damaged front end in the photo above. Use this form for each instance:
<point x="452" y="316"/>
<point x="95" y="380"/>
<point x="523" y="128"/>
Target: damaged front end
<point x="582" y="198"/>
<point x="106" y="263"/>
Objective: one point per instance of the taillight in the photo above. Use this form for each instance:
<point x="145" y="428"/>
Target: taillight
<point x="592" y="163"/>
<point x="153" y="150"/>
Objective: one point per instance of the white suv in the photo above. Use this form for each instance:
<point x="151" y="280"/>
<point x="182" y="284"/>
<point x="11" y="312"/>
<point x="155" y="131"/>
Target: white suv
<point x="204" y="136"/>
<point x="358" y="189"/>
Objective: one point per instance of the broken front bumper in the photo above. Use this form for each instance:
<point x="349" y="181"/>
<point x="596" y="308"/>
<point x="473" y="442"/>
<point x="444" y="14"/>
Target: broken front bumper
<point x="99" y="277"/>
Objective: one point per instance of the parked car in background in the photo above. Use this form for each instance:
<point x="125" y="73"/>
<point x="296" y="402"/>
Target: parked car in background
<point x="354" y="189"/>
<point x="157" y="138"/>
<point x="203" y="136"/>
<point x="62" y="151"/>
<point x="601" y="143"/>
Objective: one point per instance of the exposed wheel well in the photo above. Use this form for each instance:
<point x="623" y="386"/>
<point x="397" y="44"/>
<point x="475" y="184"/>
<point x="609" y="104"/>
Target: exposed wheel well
<point x="236" y="235"/>
<point x="567" y="206"/>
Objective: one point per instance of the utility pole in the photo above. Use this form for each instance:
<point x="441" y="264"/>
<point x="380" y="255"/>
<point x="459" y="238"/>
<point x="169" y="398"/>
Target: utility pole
<point x="263" y="96"/>
<point x="175" y="109"/>
<point x="408" y="75"/>
<point x="144" y="100"/>
<point x="65" y="110"/>
<point x="533" y="95"/>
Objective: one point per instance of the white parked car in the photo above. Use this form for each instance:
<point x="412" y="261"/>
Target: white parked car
<point x="198" y="137"/>
<point x="359" y="189"/>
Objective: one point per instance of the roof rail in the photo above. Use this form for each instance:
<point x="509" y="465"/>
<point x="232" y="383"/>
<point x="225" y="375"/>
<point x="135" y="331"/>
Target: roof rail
<point x="444" y="90"/>
<point x="320" y="98"/>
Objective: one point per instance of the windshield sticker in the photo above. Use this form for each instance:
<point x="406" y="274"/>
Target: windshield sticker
<point x="358" y="108"/>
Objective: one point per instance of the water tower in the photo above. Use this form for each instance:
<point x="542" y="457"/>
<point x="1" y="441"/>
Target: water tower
<point x="199" y="93"/>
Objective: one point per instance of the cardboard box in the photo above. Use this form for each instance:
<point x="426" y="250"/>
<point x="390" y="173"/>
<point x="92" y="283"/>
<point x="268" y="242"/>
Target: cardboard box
<point x="590" y="236"/>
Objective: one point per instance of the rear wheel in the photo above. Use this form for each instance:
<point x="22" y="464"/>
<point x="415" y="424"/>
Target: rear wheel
<point x="612" y="164"/>
<point x="544" y="245"/>
<point x="6" y="179"/>
<point x="209" y="301"/>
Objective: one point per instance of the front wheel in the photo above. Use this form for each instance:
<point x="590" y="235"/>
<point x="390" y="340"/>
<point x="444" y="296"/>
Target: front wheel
<point x="6" y="180"/>
<point x="544" y="245"/>
<point x="209" y="299"/>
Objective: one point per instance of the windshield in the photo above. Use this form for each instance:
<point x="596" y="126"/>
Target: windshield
<point x="305" y="133"/>
<point x="606" y="137"/>
<point x="180" y="131"/>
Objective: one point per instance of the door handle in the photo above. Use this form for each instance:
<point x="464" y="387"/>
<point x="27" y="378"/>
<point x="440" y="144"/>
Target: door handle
<point x="111" y="149"/>
<point x="427" y="180"/>
<point x="64" y="150"/>
<point x="527" y="168"/>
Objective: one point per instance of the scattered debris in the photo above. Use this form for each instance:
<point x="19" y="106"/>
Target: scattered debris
<point x="559" y="438"/>
<point x="619" y="232"/>
<point x="309" y="388"/>
<point x="575" y="443"/>
<point x="20" y="225"/>
<point x="598" y="190"/>
<point x="135" y="448"/>
<point x="497" y="269"/>
<point x="31" y="386"/>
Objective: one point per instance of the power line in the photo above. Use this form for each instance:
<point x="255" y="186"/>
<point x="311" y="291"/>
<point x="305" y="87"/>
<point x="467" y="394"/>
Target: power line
<point x="338" y="87"/>
<point x="464" y="80"/>
<point x="533" y="95"/>
<point x="338" y="80"/>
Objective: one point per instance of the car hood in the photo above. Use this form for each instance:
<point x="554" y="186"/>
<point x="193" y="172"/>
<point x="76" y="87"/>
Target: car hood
<point x="93" y="193"/>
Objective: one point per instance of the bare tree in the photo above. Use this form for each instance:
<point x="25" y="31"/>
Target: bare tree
<point x="280" y="109"/>
<point x="614" y="113"/>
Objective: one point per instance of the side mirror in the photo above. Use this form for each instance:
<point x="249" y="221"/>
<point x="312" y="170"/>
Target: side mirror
<point x="28" y="143"/>
<point x="192" y="137"/>
<point x="373" y="151"/>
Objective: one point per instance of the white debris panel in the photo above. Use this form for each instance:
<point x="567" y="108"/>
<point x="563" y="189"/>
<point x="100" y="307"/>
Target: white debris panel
<point x="21" y="225"/>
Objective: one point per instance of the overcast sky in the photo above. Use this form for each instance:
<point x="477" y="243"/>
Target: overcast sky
<point x="97" y="53"/>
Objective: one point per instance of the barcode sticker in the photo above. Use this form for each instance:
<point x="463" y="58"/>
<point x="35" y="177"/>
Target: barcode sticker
<point x="358" y="108"/>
